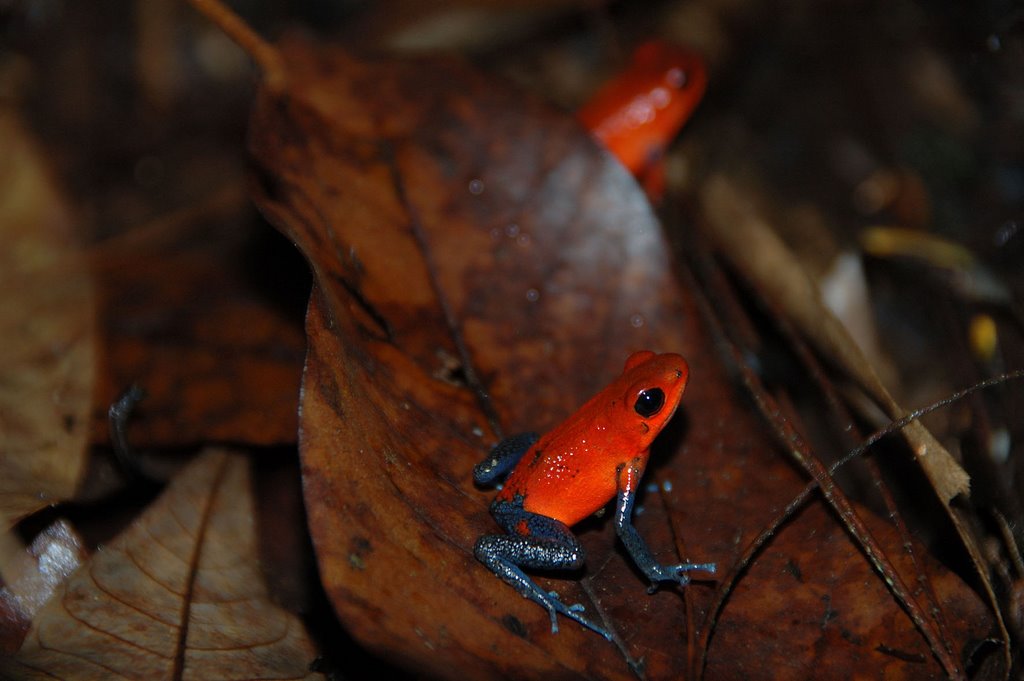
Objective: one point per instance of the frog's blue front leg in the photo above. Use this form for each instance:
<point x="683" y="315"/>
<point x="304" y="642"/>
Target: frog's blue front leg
<point x="533" y="542"/>
<point x="628" y="480"/>
<point x="503" y="458"/>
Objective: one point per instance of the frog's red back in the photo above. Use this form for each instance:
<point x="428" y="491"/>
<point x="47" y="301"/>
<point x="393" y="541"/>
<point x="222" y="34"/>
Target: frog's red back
<point x="571" y="472"/>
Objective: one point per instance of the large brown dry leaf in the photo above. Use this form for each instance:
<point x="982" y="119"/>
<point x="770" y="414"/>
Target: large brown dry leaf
<point x="47" y="327"/>
<point x="177" y="595"/>
<point x="481" y="266"/>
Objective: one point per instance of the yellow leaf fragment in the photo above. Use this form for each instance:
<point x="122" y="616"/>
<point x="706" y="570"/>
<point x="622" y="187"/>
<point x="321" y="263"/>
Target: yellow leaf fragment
<point x="47" y="325"/>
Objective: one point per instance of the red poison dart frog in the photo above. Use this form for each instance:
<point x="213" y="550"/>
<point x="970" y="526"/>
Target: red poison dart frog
<point x="638" y="113"/>
<point x="557" y="480"/>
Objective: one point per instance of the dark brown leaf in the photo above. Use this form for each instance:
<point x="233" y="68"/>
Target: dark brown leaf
<point x="195" y="311"/>
<point x="811" y="606"/>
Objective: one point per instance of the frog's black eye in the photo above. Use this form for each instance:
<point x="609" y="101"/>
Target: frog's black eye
<point x="649" y="402"/>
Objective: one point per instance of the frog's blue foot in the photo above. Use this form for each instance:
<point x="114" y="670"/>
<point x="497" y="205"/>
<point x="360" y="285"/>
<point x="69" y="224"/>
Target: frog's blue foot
<point x="488" y="552"/>
<point x="573" y="612"/>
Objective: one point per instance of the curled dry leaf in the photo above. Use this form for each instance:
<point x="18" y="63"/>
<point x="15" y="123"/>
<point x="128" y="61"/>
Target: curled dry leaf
<point x="177" y="595"/>
<point x="31" y="575"/>
<point x="481" y="269"/>
<point x="47" y="326"/>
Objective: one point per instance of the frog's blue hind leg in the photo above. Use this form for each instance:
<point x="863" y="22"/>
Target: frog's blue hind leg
<point x="534" y="542"/>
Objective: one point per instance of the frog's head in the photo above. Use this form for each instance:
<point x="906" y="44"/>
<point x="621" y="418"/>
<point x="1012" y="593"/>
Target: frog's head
<point x="654" y="385"/>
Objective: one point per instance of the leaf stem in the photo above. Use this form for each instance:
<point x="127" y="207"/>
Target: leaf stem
<point x="266" y="56"/>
